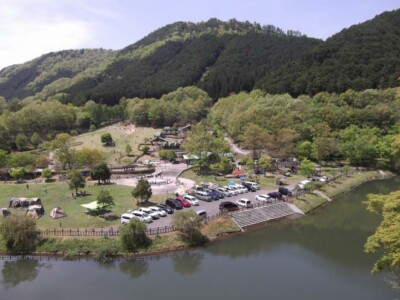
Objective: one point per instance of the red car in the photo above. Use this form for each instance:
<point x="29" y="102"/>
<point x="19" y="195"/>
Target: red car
<point x="183" y="201"/>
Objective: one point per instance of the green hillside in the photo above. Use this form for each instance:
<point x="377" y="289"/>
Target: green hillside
<point x="218" y="57"/>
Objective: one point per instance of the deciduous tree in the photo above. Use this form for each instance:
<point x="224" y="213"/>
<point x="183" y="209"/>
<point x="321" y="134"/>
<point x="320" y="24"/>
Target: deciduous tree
<point x="387" y="235"/>
<point x="76" y="180"/>
<point x="142" y="190"/>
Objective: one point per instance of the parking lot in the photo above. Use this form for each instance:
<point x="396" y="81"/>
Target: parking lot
<point x="212" y="208"/>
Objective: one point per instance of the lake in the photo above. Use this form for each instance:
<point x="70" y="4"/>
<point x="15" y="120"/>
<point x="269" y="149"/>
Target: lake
<point x="319" y="256"/>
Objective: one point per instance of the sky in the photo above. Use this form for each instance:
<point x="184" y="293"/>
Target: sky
<point x="30" y="28"/>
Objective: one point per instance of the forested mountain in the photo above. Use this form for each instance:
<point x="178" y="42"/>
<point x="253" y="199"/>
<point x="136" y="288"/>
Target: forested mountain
<point x="52" y="72"/>
<point x="360" y="57"/>
<point x="218" y="57"/>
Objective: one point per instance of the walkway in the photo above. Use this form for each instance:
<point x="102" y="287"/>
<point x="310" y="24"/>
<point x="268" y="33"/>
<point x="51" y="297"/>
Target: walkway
<point x="264" y="214"/>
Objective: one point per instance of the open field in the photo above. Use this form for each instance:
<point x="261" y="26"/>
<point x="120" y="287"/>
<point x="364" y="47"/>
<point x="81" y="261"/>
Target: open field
<point x="59" y="195"/>
<point x="122" y="135"/>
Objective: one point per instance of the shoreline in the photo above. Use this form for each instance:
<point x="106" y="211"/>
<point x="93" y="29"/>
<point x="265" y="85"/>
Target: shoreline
<point x="70" y="254"/>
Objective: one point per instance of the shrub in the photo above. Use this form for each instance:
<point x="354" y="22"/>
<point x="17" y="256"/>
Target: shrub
<point x="133" y="236"/>
<point x="20" y="235"/>
<point x="188" y="224"/>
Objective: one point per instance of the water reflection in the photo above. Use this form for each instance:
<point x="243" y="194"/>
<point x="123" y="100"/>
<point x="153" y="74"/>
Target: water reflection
<point x="17" y="271"/>
<point x="187" y="263"/>
<point x="135" y="268"/>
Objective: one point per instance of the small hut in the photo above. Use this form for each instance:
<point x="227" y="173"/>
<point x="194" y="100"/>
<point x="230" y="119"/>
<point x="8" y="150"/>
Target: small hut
<point x="35" y="211"/>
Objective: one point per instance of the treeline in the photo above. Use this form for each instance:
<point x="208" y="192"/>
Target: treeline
<point x="184" y="106"/>
<point x="26" y="124"/>
<point x="362" y="127"/>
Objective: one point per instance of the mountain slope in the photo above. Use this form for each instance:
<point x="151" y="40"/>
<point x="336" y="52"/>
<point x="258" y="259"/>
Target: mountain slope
<point x="219" y="57"/>
<point x="363" y="56"/>
<point x="29" y="78"/>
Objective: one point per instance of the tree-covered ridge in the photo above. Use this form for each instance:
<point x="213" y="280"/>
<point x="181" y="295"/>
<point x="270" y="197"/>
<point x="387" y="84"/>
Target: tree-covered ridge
<point x="217" y="61"/>
<point x="363" y="56"/>
<point x="362" y="127"/>
<point x="218" y="57"/>
<point x="32" y="77"/>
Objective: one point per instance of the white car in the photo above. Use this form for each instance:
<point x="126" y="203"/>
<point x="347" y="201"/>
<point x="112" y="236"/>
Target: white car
<point x="193" y="201"/>
<point x="242" y="189"/>
<point x="228" y="193"/>
<point x="303" y="183"/>
<point x="263" y="198"/>
<point x="160" y="211"/>
<point x="135" y="214"/>
<point x="244" y="202"/>
<point x="155" y="215"/>
<point x="234" y="191"/>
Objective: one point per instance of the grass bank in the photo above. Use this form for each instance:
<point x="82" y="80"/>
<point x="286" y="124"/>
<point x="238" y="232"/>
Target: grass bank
<point x="309" y="202"/>
<point x="107" y="247"/>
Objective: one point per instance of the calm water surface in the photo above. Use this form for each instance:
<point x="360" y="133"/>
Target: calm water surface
<point x="319" y="256"/>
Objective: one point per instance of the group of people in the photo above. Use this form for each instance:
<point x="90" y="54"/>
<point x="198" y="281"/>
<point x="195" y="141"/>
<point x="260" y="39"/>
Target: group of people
<point x="79" y="194"/>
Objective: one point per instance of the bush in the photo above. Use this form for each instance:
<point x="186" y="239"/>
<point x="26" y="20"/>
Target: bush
<point x="188" y="223"/>
<point x="133" y="236"/>
<point x="20" y="235"/>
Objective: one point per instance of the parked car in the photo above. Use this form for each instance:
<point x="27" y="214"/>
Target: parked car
<point x="249" y="187"/>
<point x="166" y="208"/>
<point x="155" y="215"/>
<point x="228" y="193"/>
<point x="214" y="195"/>
<point x="202" y="195"/>
<point x="263" y="198"/>
<point x="160" y="211"/>
<point x="183" y="202"/>
<point x="228" y="206"/>
<point x="254" y="184"/>
<point x="275" y="195"/>
<point x="224" y="192"/>
<point x="234" y="191"/>
<point x="202" y="214"/>
<point x="220" y="194"/>
<point x="175" y="204"/>
<point x="244" y="202"/>
<point x="192" y="200"/>
<point x="285" y="191"/>
<point x="138" y="215"/>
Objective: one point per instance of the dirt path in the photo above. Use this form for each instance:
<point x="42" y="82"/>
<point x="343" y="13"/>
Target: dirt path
<point x="235" y="148"/>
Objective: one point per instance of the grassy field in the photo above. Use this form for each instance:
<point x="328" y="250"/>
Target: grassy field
<point x="59" y="195"/>
<point x="122" y="136"/>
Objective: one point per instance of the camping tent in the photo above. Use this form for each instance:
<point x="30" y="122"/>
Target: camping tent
<point x="24" y="202"/>
<point x="57" y="212"/>
<point x="35" y="211"/>
<point x="4" y="212"/>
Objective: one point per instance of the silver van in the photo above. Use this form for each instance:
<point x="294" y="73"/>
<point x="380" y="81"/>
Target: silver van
<point x="253" y="184"/>
<point x="203" y="196"/>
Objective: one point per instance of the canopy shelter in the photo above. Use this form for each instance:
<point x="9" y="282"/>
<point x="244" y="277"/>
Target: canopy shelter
<point x="94" y="205"/>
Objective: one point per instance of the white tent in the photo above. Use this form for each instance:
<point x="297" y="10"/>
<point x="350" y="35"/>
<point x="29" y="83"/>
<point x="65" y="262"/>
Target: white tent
<point x="57" y="213"/>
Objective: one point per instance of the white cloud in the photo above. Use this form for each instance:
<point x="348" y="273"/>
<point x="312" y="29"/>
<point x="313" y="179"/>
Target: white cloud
<point x="28" y="32"/>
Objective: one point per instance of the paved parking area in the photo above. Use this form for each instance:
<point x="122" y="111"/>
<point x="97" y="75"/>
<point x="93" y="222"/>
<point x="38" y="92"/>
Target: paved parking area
<point x="212" y="208"/>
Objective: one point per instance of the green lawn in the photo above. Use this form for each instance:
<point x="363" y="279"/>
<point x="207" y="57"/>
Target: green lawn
<point x="121" y="136"/>
<point x="59" y="195"/>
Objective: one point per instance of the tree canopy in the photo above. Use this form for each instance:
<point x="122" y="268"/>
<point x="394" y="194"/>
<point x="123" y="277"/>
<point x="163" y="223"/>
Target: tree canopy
<point x="387" y="235"/>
